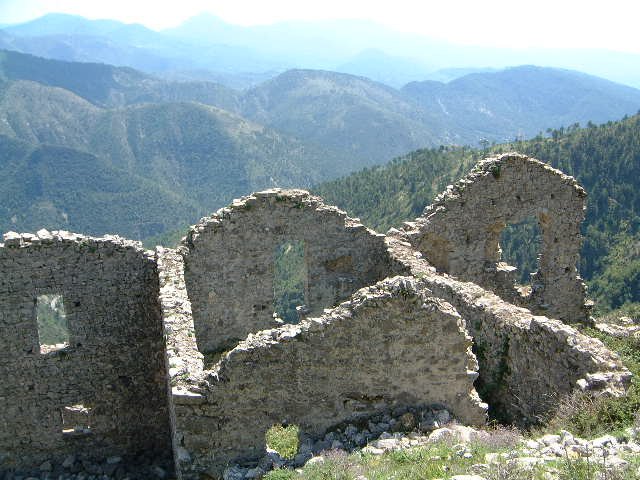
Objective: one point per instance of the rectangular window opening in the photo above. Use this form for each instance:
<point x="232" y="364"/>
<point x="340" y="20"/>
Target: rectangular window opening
<point x="76" y="420"/>
<point x="53" y="330"/>
<point x="290" y="281"/>
<point x="521" y="244"/>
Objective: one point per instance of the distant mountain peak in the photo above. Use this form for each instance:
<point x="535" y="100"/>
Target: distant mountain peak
<point x="63" y="24"/>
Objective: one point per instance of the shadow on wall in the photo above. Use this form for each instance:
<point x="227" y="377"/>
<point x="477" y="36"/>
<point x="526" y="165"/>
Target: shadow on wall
<point x="95" y="387"/>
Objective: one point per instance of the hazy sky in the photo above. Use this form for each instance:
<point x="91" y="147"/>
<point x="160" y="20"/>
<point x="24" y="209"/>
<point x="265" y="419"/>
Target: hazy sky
<point x="611" y="24"/>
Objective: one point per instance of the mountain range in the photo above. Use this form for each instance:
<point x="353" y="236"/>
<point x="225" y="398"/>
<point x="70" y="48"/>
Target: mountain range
<point x="207" y="48"/>
<point x="124" y="137"/>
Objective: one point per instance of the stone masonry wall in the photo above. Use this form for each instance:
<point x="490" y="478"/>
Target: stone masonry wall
<point x="113" y="366"/>
<point x="393" y="342"/>
<point x="391" y="345"/>
<point x="459" y="233"/>
<point x="526" y="362"/>
<point x="229" y="262"/>
<point x="186" y="363"/>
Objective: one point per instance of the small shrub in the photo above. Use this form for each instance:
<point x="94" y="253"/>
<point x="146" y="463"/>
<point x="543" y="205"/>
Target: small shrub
<point x="576" y="469"/>
<point x="280" y="474"/>
<point x="586" y="416"/>
<point x="283" y="440"/>
<point x="336" y="466"/>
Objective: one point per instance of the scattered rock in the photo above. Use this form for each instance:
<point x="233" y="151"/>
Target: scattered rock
<point x="373" y="450"/>
<point x="254" y="473"/>
<point x="233" y="473"/>
<point x="408" y="421"/>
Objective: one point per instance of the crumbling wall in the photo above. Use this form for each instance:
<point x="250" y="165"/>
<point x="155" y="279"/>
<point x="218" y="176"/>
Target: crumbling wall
<point x="391" y="345"/>
<point x="113" y="366"/>
<point x="185" y="361"/>
<point x="527" y="363"/>
<point x="229" y="262"/>
<point x="459" y="233"/>
<point x="397" y="342"/>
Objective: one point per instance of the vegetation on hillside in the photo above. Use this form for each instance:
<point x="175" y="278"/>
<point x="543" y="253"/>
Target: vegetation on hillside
<point x="168" y="144"/>
<point x="386" y="195"/>
<point x="605" y="159"/>
<point x="176" y="162"/>
<point x="61" y="188"/>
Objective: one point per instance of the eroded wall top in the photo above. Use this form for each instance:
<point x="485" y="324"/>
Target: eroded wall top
<point x="391" y="345"/>
<point x="229" y="262"/>
<point x="459" y="233"/>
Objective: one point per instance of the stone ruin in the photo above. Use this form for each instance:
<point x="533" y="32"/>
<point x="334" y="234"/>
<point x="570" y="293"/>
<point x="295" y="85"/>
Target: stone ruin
<point x="177" y="353"/>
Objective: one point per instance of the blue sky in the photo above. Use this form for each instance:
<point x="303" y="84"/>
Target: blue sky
<point x="611" y="24"/>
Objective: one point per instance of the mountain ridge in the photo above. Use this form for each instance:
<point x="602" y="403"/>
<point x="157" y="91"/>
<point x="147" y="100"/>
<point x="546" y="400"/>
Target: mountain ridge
<point x="230" y="51"/>
<point x="298" y="129"/>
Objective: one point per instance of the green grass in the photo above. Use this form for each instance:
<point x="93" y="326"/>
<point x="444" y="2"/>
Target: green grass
<point x="442" y="461"/>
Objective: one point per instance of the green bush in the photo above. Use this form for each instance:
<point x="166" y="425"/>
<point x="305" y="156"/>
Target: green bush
<point x="283" y="440"/>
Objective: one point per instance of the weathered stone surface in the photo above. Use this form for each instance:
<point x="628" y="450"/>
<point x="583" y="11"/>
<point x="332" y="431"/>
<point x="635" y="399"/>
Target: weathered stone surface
<point x="229" y="262"/>
<point x="527" y="362"/>
<point x="399" y="342"/>
<point x="104" y="394"/>
<point x="321" y="372"/>
<point x="459" y="233"/>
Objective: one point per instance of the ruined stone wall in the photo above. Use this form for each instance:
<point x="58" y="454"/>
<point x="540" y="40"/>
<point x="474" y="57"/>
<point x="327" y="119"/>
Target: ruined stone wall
<point x="229" y="262"/>
<point x="459" y="233"/>
<point x="393" y="342"/>
<point x="390" y="346"/>
<point x="526" y="362"/>
<point x="185" y="361"/>
<point x="113" y="366"/>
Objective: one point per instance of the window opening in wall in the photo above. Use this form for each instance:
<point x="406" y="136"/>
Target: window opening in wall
<point x="290" y="281"/>
<point x="76" y="420"/>
<point x="53" y="330"/>
<point x="520" y="243"/>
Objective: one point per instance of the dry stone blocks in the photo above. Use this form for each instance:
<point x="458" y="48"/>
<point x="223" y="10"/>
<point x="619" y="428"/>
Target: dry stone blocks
<point x="459" y="233"/>
<point x="105" y="393"/>
<point x="176" y="354"/>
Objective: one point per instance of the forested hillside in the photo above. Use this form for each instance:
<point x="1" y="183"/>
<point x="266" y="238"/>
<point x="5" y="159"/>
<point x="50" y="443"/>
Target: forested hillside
<point x="189" y="148"/>
<point x="171" y="162"/>
<point x="605" y="159"/>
